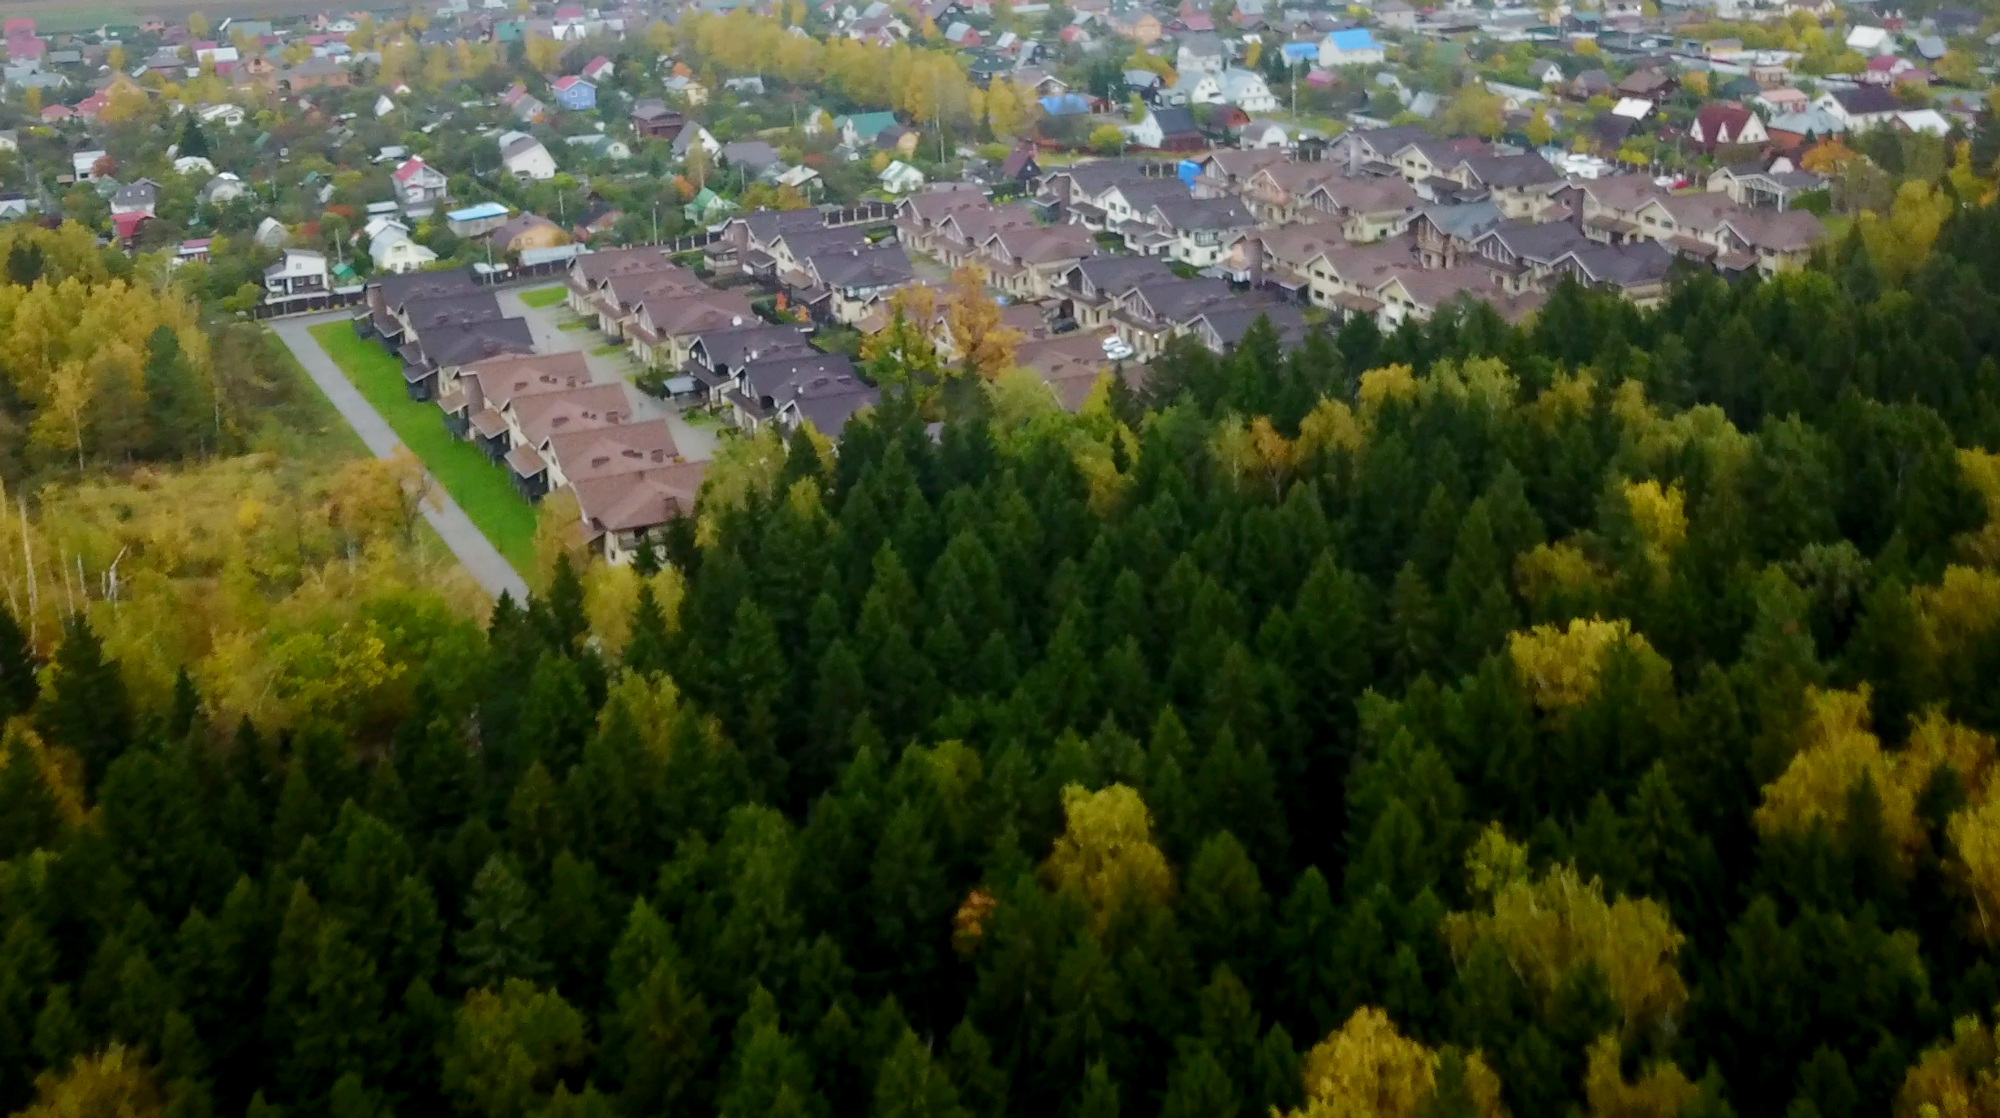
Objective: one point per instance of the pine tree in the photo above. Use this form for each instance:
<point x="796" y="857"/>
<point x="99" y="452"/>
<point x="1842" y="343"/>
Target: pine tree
<point x="912" y="1085"/>
<point x="18" y="687"/>
<point x="29" y="817"/>
<point x="176" y="399"/>
<point x="503" y="935"/>
<point x="87" y="710"/>
<point x="646" y="651"/>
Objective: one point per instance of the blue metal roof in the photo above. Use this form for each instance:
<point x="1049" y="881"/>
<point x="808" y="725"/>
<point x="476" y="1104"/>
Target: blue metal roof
<point x="475" y="213"/>
<point x="1355" y="38"/>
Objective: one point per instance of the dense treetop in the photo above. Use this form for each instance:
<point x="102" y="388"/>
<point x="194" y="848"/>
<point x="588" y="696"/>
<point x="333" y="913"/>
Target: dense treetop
<point x="1588" y="717"/>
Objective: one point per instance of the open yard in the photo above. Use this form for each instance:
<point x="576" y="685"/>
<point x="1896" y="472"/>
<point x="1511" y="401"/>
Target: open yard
<point x="543" y="296"/>
<point x="479" y="486"/>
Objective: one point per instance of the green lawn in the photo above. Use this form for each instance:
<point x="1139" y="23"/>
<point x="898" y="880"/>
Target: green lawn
<point x="607" y="349"/>
<point x="480" y="487"/>
<point x="544" y="296"/>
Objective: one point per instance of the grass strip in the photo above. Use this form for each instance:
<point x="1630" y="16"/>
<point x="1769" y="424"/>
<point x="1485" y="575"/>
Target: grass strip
<point x="480" y="487"/>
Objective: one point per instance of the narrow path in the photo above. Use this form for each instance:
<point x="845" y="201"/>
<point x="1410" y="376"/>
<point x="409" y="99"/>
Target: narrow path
<point x="466" y="541"/>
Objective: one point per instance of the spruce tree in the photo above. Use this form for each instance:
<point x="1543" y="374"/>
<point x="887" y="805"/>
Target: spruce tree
<point x="502" y="933"/>
<point x="18" y="686"/>
<point x="86" y="709"/>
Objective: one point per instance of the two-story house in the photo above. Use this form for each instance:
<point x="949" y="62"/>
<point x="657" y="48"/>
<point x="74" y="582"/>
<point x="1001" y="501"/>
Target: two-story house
<point x="299" y="272"/>
<point x="574" y="94"/>
<point x="420" y="188"/>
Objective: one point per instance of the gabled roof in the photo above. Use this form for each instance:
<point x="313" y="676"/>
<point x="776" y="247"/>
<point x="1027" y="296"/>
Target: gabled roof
<point x="1866" y="100"/>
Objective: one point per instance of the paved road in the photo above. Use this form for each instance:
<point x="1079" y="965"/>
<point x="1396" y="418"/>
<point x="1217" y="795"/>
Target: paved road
<point x="466" y="541"/>
<point x="696" y="444"/>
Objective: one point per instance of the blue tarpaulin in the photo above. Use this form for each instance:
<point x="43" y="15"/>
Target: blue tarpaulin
<point x="1066" y="104"/>
<point x="1188" y="171"/>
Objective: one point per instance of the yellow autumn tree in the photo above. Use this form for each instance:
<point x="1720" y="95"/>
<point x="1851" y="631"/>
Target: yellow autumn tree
<point x="1900" y="241"/>
<point x="1366" y="1069"/>
<point x="1660" y="514"/>
<point x="1956" y="1079"/>
<point x="1559" y="667"/>
<point x="1981" y="470"/>
<point x="1106" y="850"/>
<point x="1548" y="925"/>
<point x="111" y="1084"/>
<point x="1661" y="1091"/>
<point x="984" y="342"/>
<point x="1839" y="751"/>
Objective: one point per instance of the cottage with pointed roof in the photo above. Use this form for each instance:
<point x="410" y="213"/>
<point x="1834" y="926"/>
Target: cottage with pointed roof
<point x="1724" y="123"/>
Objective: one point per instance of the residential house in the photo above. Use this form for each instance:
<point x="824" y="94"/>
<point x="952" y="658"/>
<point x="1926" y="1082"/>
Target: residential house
<point x="961" y="236"/>
<point x="222" y="190"/>
<point x="1726" y="123"/>
<point x="1199" y="53"/>
<point x="524" y="157"/>
<point x="433" y="364"/>
<point x="691" y="136"/>
<point x="1071" y="193"/>
<point x="299" y="272"/>
<point x="859" y="130"/>
<point x="653" y="120"/>
<point x="717" y="358"/>
<point x="823" y="390"/>
<point x="1246" y="90"/>
<point x="1070" y="364"/>
<point x="1277" y="258"/>
<point x="1419" y="295"/>
<point x="589" y="276"/>
<point x="1368" y="208"/>
<point x="670" y="316"/>
<point x="525" y="107"/>
<point x="138" y="196"/>
<point x="597" y="145"/>
<point x="1651" y="84"/>
<point x="391" y="249"/>
<point x="1764" y="188"/>
<point x="754" y="157"/>
<point x="1589" y="84"/>
<point x="1028" y="262"/>
<point x="1167" y="129"/>
<point x="624" y="514"/>
<point x="919" y="215"/>
<point x="526" y="231"/>
<point x="1264" y="135"/>
<point x="1090" y="290"/>
<point x="598" y="69"/>
<point x="1861" y="108"/>
<point x="84" y="164"/>
<point x="474" y="221"/>
<point x="420" y="188"/>
<point x="1352" y="47"/>
<point x="853" y="281"/>
<point x="574" y="94"/>
<point x="900" y="178"/>
<point x="1444" y="235"/>
<point x="490" y="384"/>
<point x="1519" y="185"/>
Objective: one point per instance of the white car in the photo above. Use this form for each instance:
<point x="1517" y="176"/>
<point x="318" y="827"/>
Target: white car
<point x="1117" y="349"/>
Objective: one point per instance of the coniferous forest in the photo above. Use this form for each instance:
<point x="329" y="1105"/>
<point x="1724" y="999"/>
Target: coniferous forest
<point x="1593" y="717"/>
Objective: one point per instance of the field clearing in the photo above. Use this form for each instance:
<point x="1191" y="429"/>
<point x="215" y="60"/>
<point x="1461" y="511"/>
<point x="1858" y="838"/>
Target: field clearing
<point x="56" y="15"/>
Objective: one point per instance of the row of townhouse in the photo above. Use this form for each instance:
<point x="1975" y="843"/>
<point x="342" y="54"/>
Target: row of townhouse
<point x="1022" y="257"/>
<point x="538" y="415"/>
<point x="761" y="372"/>
<point x="1148" y="305"/>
